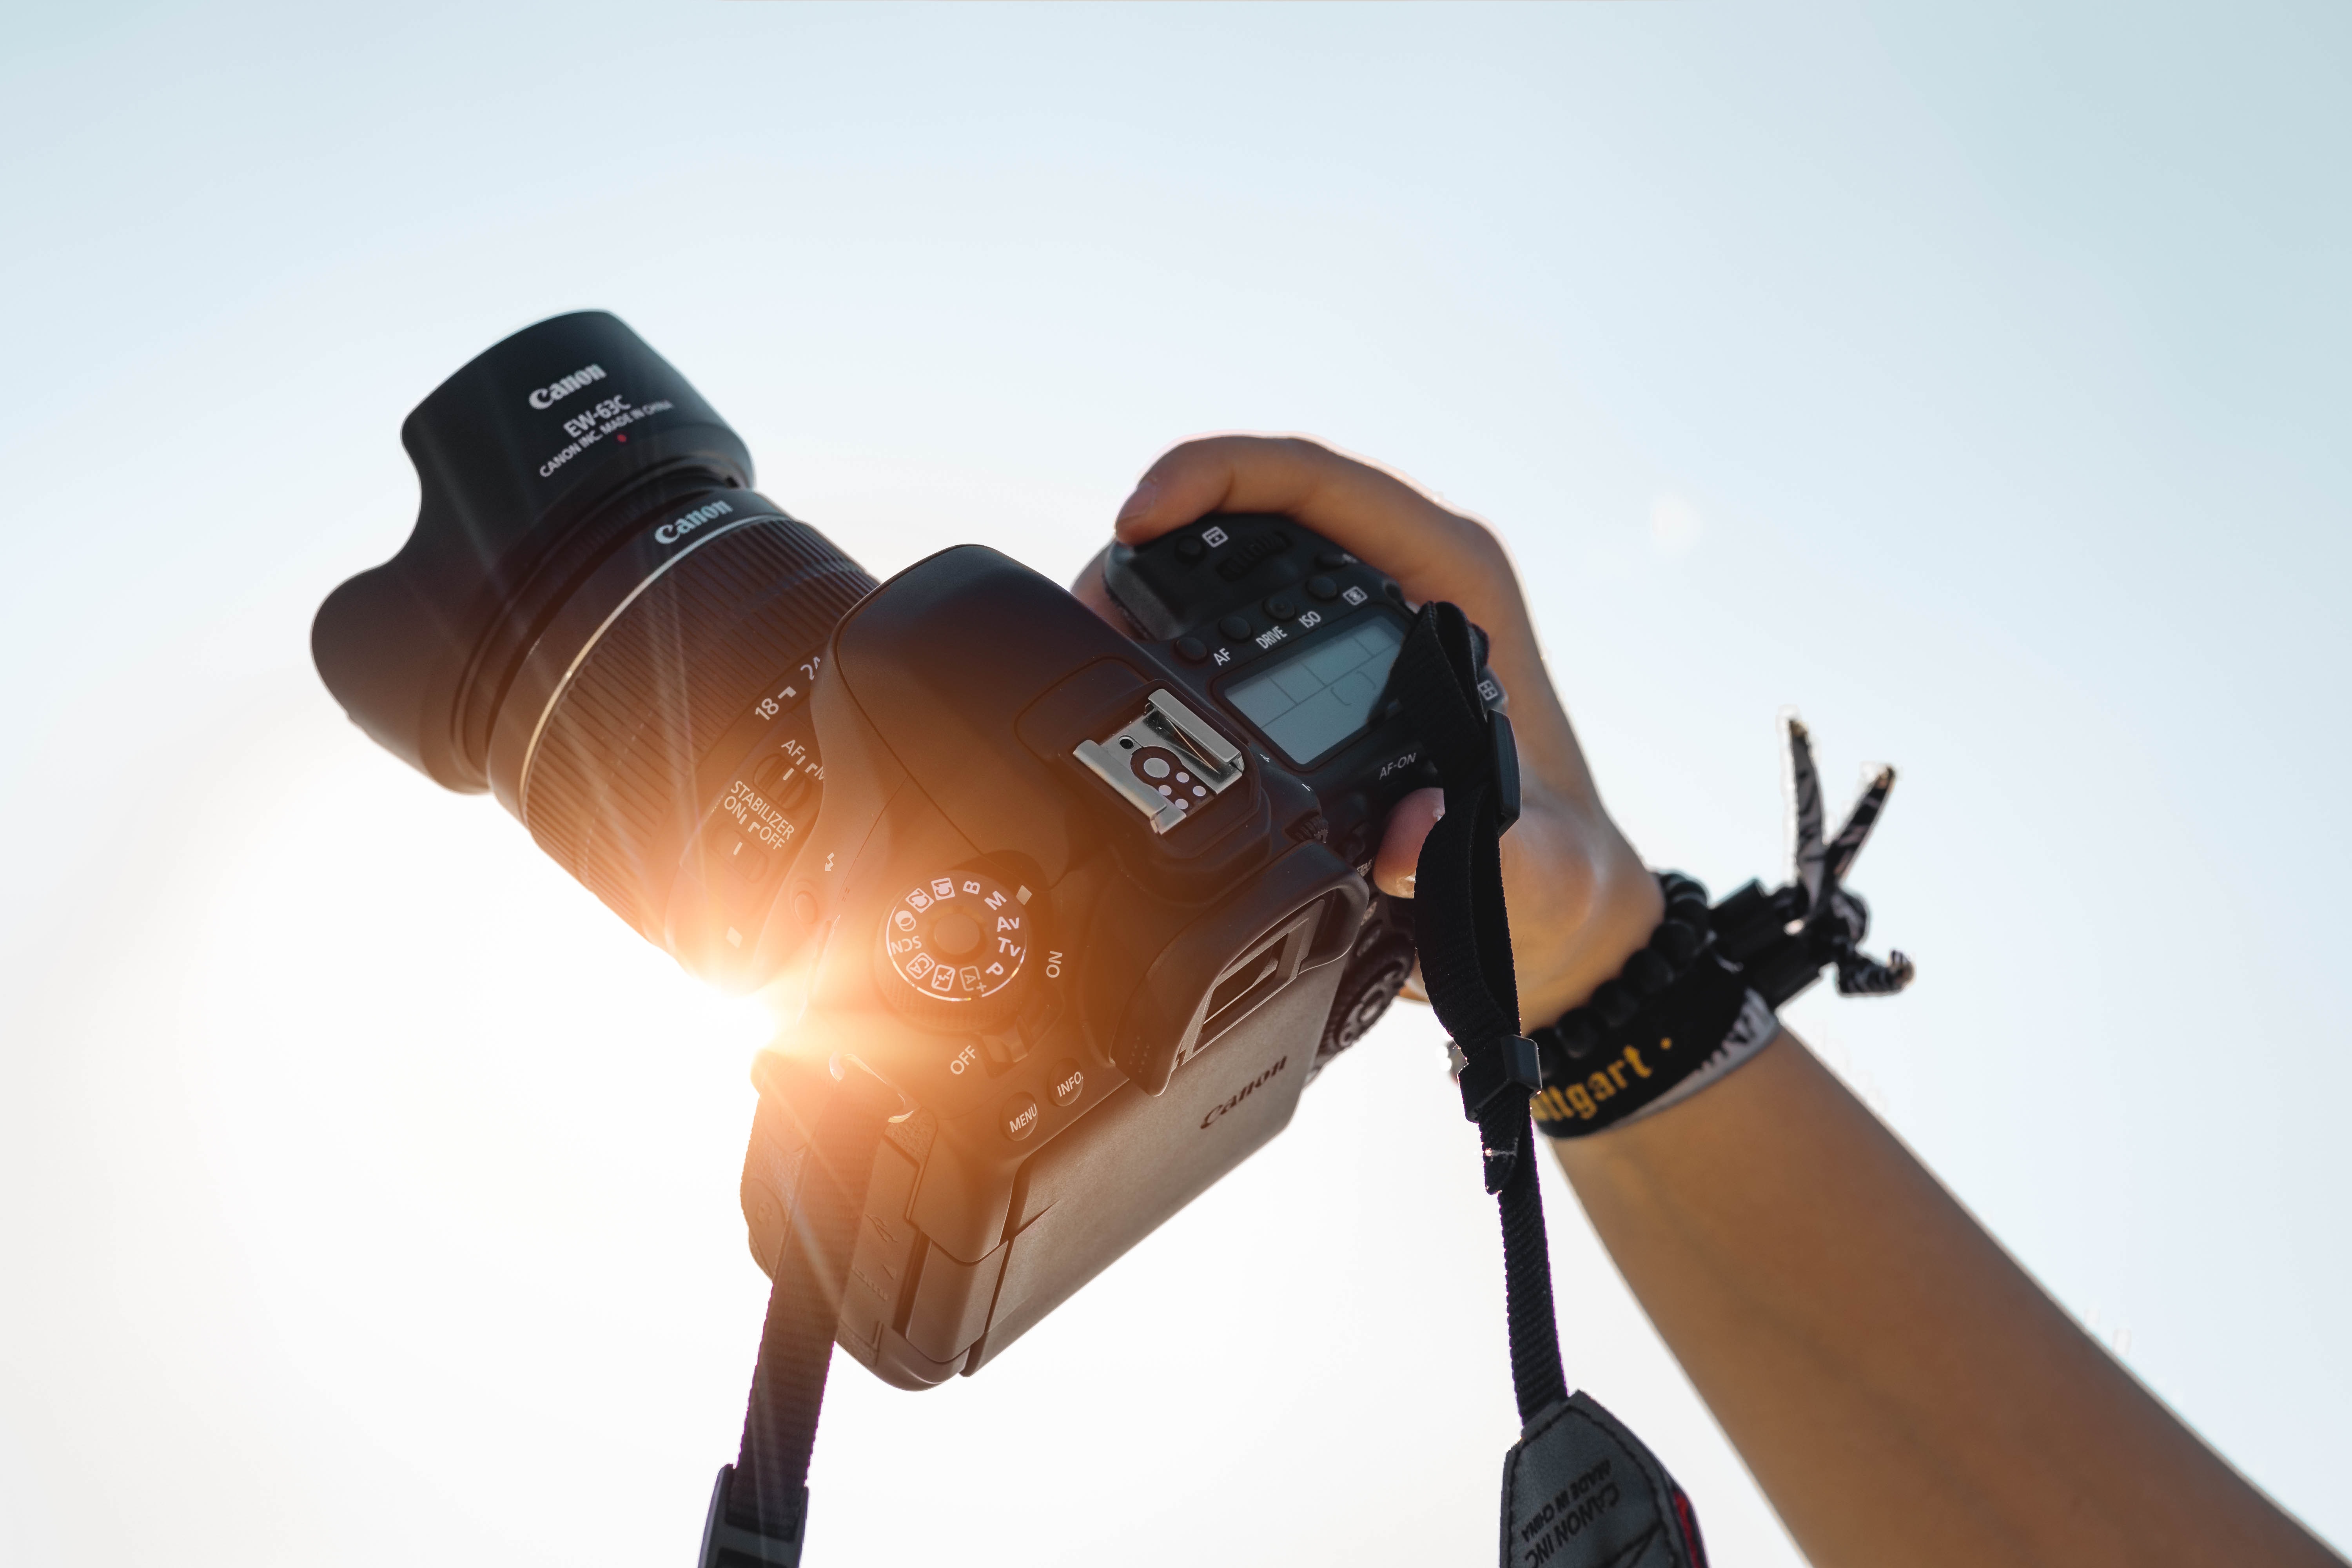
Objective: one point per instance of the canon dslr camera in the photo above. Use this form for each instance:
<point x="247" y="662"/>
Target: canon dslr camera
<point x="1093" y="906"/>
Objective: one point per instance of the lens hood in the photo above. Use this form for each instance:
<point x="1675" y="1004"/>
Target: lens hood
<point x="534" y="460"/>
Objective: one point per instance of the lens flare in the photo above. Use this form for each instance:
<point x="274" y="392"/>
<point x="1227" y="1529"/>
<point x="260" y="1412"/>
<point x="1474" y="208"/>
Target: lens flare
<point x="737" y="1025"/>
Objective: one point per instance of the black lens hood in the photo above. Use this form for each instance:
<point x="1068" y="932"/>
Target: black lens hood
<point x="533" y="460"/>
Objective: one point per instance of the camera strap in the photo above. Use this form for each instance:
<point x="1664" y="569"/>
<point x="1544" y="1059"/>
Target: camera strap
<point x="1580" y="1490"/>
<point x="759" y="1505"/>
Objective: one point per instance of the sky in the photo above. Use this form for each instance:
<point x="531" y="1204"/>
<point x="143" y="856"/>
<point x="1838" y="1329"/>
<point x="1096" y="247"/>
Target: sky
<point x="1969" y="379"/>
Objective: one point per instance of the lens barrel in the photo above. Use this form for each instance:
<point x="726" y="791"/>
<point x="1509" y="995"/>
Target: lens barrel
<point x="604" y="733"/>
<point x="591" y="599"/>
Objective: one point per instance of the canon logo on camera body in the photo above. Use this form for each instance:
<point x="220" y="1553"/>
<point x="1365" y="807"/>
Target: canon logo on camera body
<point x="555" y="392"/>
<point x="1260" y="1081"/>
<point x="671" y="532"/>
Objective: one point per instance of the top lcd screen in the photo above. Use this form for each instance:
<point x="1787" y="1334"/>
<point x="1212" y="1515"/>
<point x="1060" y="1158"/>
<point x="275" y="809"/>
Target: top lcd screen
<point x="1322" y="695"/>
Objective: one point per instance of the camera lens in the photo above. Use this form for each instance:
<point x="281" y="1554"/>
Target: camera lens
<point x="595" y="614"/>
<point x="604" y="742"/>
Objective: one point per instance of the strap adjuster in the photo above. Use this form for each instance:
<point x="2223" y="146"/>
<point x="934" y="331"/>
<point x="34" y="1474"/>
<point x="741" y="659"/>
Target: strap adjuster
<point x="1505" y="766"/>
<point x="729" y="1545"/>
<point x="1494" y="1068"/>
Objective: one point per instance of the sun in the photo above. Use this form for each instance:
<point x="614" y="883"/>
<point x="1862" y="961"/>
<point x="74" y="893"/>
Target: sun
<point x="738" y="1026"/>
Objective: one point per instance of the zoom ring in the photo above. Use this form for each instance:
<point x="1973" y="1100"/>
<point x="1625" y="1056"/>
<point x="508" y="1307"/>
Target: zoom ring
<point x="611" y="783"/>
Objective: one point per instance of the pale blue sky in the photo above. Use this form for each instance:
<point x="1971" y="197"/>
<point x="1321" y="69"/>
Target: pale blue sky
<point x="1971" y="379"/>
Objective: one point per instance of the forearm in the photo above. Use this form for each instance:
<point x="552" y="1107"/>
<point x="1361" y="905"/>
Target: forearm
<point x="1901" y="1389"/>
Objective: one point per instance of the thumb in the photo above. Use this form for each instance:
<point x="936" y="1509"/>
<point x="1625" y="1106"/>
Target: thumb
<point x="1400" y="853"/>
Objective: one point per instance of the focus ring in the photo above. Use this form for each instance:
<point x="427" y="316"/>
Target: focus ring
<point x="611" y="791"/>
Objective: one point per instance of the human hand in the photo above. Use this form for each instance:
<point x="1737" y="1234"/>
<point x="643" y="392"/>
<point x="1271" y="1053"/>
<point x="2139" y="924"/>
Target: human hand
<point x="1581" y="900"/>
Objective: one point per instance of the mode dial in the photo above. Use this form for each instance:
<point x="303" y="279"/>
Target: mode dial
<point x="953" y="952"/>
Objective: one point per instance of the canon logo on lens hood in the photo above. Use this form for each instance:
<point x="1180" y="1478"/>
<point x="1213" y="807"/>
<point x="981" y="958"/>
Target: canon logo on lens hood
<point x="671" y="532"/>
<point x="555" y="392"/>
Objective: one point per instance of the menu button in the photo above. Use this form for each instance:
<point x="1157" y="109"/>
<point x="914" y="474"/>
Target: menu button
<point x="1018" y="1116"/>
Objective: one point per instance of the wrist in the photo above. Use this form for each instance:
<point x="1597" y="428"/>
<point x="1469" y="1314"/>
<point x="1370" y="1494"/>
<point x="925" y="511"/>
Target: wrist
<point x="1592" y="912"/>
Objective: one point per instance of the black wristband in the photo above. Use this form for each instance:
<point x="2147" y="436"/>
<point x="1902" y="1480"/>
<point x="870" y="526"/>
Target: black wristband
<point x="1667" y="1014"/>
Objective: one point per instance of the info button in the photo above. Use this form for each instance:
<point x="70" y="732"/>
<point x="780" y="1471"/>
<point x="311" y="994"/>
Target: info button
<point x="1018" y="1116"/>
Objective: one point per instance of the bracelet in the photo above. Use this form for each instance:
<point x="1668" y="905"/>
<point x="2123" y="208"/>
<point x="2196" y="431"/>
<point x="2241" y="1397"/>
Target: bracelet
<point x="1677" y="1016"/>
<point x="1698" y="1001"/>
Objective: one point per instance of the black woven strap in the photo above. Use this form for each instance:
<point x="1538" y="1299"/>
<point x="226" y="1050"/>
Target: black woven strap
<point x="1580" y="1490"/>
<point x="1464" y="933"/>
<point x="759" y="1507"/>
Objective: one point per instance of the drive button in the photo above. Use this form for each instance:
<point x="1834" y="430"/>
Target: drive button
<point x="1018" y="1116"/>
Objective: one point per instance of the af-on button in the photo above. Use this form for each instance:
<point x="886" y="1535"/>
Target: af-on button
<point x="1019" y="1116"/>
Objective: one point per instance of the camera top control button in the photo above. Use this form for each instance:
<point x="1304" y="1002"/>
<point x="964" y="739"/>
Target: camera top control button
<point x="952" y="950"/>
<point x="1280" y="607"/>
<point x="1235" y="627"/>
<point x="1330" y="560"/>
<point x="955" y="935"/>
<point x="1322" y="587"/>
<point x="1190" y="549"/>
<point x="1019" y="1116"/>
<point x="1192" y="650"/>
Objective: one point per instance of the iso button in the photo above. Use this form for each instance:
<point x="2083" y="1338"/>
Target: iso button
<point x="1018" y="1116"/>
